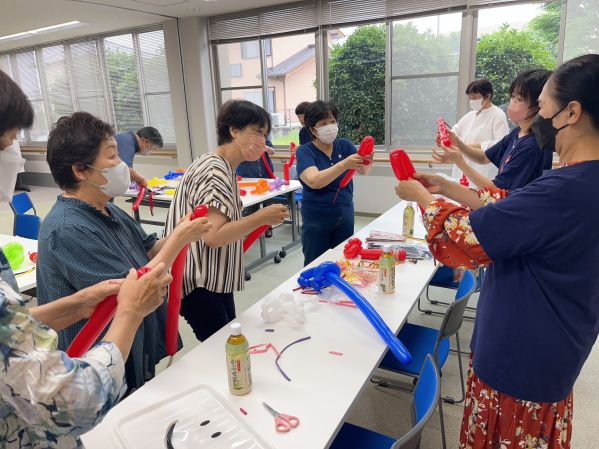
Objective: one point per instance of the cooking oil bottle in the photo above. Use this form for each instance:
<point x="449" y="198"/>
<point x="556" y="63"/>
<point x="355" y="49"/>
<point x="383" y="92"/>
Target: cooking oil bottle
<point x="239" y="369"/>
<point x="387" y="270"/>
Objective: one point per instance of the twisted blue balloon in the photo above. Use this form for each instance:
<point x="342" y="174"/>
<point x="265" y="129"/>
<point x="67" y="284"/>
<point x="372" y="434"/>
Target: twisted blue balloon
<point x="328" y="273"/>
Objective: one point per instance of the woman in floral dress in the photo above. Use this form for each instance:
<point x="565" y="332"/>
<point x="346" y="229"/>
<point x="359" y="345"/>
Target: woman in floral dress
<point x="538" y="314"/>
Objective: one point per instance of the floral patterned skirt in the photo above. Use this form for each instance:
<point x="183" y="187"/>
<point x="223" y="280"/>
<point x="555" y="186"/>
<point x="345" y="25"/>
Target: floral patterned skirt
<point x="494" y="420"/>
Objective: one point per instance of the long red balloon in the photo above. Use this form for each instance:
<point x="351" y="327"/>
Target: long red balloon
<point x="175" y="292"/>
<point x="96" y="324"/>
<point x="253" y="236"/>
<point x="402" y="167"/>
<point x="140" y="197"/>
<point x="267" y="166"/>
<point x="291" y="148"/>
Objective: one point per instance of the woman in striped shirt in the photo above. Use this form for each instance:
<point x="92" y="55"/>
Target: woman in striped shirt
<point x="215" y="265"/>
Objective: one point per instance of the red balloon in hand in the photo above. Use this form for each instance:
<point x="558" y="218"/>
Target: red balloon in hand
<point x="200" y="211"/>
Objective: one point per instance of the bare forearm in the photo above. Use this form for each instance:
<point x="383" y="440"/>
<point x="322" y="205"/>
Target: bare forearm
<point x="473" y="175"/>
<point x="462" y="195"/>
<point x="166" y="250"/>
<point x="365" y="169"/>
<point x="474" y="154"/>
<point x="123" y="329"/>
<point x="317" y="179"/>
<point x="136" y="176"/>
<point x="58" y="314"/>
<point x="232" y="231"/>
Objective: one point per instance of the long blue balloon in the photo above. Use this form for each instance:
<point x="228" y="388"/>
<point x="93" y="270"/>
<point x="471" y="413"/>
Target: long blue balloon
<point x="328" y="273"/>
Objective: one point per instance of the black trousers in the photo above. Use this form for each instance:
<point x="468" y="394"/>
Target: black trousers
<point x="207" y="312"/>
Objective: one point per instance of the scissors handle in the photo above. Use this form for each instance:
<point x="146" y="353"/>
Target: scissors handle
<point x="292" y="421"/>
<point x="281" y="425"/>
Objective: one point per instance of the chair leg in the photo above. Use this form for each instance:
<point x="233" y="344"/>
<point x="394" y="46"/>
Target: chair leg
<point x="384" y="382"/>
<point x="442" y="422"/>
<point x="449" y="399"/>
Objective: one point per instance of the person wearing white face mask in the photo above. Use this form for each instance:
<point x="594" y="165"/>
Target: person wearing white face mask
<point x="215" y="270"/>
<point x="85" y="239"/>
<point x="145" y="141"/>
<point x="517" y="155"/>
<point x="327" y="210"/>
<point x="482" y="127"/>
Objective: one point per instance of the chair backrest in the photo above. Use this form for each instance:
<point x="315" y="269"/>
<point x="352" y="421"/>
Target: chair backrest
<point x="424" y="402"/>
<point x="21" y="204"/>
<point x="452" y="321"/>
<point x="27" y="226"/>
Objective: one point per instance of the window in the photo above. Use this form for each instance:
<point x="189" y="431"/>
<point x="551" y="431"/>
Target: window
<point x="121" y="79"/>
<point x="250" y="50"/>
<point x="235" y="70"/>
<point x="357" y="81"/>
<point x="530" y="31"/>
<point x="582" y="28"/>
<point x="424" y="77"/>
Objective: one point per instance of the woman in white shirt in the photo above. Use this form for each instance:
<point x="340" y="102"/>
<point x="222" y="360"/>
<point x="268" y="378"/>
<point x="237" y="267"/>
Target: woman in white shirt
<point x="483" y="126"/>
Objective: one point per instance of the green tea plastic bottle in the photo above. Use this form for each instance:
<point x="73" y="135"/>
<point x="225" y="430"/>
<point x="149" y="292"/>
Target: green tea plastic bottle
<point x="408" y="221"/>
<point x="387" y="271"/>
<point x="239" y="370"/>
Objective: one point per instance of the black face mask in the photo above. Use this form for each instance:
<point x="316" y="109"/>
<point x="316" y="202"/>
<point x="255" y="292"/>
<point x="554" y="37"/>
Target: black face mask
<point x="544" y="131"/>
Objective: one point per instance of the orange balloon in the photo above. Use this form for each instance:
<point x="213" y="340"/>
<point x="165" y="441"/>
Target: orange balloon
<point x="262" y="186"/>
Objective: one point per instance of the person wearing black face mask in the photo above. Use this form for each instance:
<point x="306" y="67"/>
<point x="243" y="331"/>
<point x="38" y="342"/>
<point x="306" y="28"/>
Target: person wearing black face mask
<point x="544" y="131"/>
<point x="538" y="313"/>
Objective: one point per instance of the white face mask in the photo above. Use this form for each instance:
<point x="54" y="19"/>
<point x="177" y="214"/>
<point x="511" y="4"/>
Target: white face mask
<point x="327" y="134"/>
<point x="476" y="105"/>
<point x="11" y="164"/>
<point x="118" y="178"/>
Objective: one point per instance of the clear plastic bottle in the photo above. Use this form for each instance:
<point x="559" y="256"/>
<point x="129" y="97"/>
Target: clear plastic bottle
<point x="239" y="369"/>
<point x="408" y="221"/>
<point x="387" y="270"/>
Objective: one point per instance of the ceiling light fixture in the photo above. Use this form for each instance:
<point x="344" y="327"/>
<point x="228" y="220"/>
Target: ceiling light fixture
<point x="42" y="30"/>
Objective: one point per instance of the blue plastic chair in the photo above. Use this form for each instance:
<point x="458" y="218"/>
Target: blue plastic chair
<point x="424" y="401"/>
<point x="25" y="225"/>
<point x="443" y="278"/>
<point x="422" y="341"/>
<point x="21" y="204"/>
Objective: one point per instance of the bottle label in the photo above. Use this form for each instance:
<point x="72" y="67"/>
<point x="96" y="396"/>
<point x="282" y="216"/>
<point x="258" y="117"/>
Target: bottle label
<point x="387" y="274"/>
<point x="239" y="370"/>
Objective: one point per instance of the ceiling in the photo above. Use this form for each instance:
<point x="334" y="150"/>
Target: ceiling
<point x="101" y="16"/>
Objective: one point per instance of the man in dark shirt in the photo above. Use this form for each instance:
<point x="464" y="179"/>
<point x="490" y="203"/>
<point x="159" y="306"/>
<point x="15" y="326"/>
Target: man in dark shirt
<point x="304" y="134"/>
<point x="144" y="142"/>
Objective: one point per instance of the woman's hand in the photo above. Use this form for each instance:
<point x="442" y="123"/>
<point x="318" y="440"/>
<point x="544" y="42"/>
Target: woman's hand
<point x="88" y="298"/>
<point x="411" y="190"/>
<point x="435" y="184"/>
<point x="447" y="155"/>
<point x="274" y="214"/>
<point x="144" y="295"/>
<point x="352" y="162"/>
<point x="192" y="230"/>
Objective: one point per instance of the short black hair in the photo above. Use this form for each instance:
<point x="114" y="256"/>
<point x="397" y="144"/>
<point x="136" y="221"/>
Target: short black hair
<point x="238" y="114"/>
<point x="152" y="134"/>
<point x="75" y="140"/>
<point x="480" y="86"/>
<point x="529" y="84"/>
<point x="319" y="110"/>
<point x="578" y="80"/>
<point x="301" y="108"/>
<point x="15" y="109"/>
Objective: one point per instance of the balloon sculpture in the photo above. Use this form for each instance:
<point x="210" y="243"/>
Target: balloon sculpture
<point x="443" y="134"/>
<point x="140" y="197"/>
<point x="328" y="273"/>
<point x="287" y="165"/>
<point x="366" y="149"/>
<point x="96" y="324"/>
<point x="353" y="248"/>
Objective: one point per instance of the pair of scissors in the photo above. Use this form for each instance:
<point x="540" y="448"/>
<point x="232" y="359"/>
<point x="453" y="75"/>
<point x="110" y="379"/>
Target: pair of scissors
<point x="283" y="423"/>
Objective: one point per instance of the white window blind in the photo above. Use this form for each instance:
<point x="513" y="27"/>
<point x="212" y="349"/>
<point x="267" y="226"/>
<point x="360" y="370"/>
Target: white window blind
<point x="121" y="79"/>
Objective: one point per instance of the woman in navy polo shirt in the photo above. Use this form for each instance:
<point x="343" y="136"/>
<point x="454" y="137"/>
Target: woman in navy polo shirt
<point x="321" y="165"/>
<point x="517" y="155"/>
<point x="538" y="314"/>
